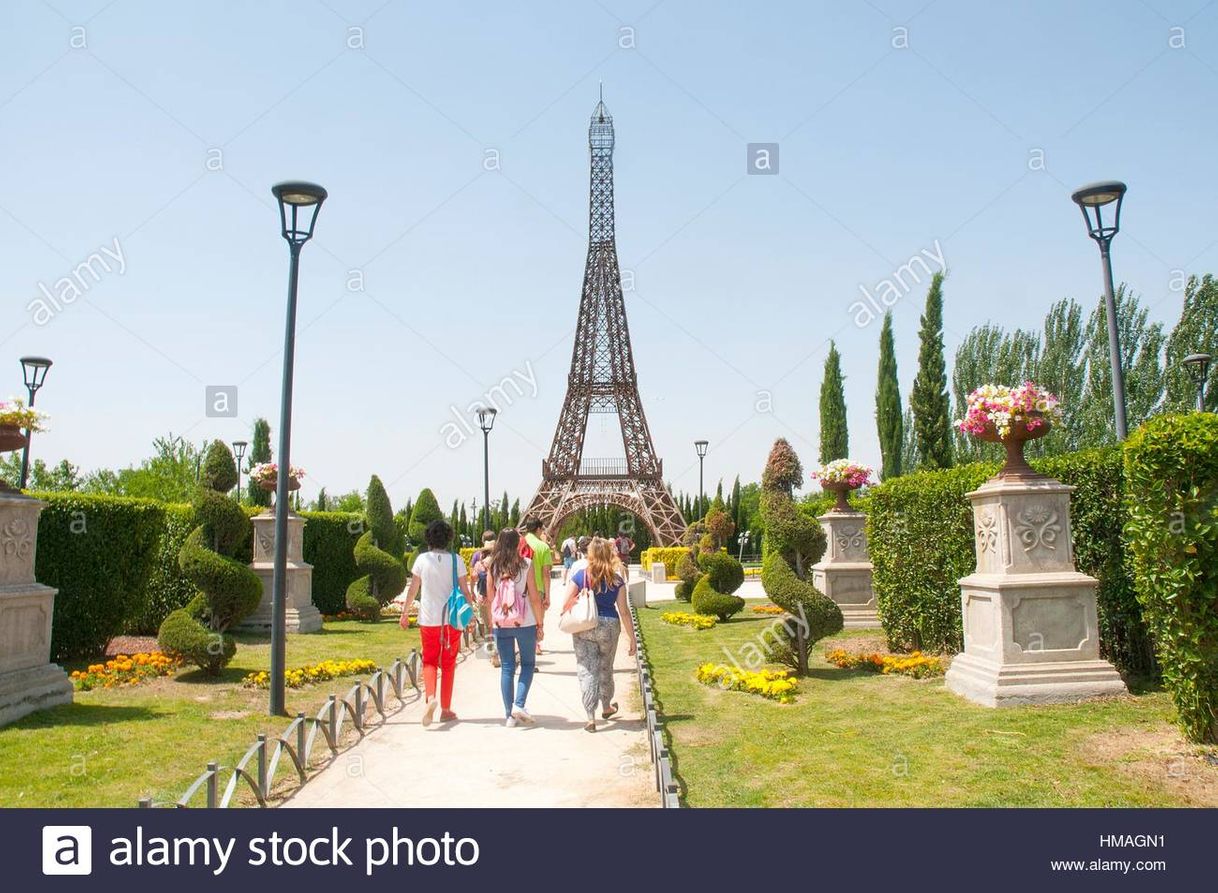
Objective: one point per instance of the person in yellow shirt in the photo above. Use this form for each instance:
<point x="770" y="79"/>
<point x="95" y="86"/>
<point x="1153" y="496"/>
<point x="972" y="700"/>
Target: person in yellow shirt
<point x="543" y="560"/>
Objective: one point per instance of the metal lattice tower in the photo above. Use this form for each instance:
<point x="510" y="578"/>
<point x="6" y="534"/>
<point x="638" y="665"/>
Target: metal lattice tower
<point x="602" y="380"/>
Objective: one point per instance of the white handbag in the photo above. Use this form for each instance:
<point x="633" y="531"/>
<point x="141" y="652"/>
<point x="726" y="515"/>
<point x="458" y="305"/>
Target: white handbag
<point x="582" y="616"/>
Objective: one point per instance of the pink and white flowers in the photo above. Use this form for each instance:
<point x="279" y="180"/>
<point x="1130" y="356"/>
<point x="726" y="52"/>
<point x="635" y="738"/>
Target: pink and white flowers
<point x="844" y="471"/>
<point x="13" y="411"/>
<point x="269" y="471"/>
<point x="1001" y="406"/>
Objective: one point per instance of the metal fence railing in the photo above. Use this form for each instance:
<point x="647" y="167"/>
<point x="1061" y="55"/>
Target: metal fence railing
<point x="665" y="780"/>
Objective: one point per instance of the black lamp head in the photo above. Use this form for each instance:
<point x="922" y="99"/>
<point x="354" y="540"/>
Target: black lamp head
<point x="486" y="418"/>
<point x="239" y="449"/>
<point x="299" y="204"/>
<point x="1092" y="199"/>
<point x="700" y="446"/>
<point x="1198" y="366"/>
<point x="35" y="371"/>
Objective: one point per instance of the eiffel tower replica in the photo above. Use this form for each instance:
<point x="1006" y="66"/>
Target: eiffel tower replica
<point x="602" y="380"/>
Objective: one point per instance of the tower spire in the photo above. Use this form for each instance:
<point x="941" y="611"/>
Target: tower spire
<point x="602" y="380"/>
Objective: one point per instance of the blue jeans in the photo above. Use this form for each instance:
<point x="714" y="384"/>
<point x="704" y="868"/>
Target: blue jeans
<point x="506" y="642"/>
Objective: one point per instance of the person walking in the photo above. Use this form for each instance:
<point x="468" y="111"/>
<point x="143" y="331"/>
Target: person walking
<point x="543" y="560"/>
<point x="516" y="619"/>
<point x="433" y="577"/>
<point x="568" y="555"/>
<point x="623" y="544"/>
<point x="478" y="568"/>
<point x="596" y="648"/>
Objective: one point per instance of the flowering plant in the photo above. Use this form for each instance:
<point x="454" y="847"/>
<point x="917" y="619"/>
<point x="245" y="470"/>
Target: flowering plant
<point x="13" y="411"/>
<point x="915" y="664"/>
<point x="843" y="471"/>
<point x="1000" y="406"/>
<point x="321" y="672"/>
<point x="126" y="670"/>
<point x="269" y="471"/>
<point x="683" y="618"/>
<point x="777" y="685"/>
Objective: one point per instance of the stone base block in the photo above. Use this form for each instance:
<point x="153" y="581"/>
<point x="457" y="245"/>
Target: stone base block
<point x="301" y="614"/>
<point x="36" y="688"/>
<point x="848" y="584"/>
<point x="296" y="620"/>
<point x="1058" y="682"/>
<point x="658" y="573"/>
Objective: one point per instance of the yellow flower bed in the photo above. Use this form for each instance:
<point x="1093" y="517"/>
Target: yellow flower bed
<point x="307" y="675"/>
<point x="767" y="609"/>
<point x="752" y="572"/>
<point x="915" y="664"/>
<point x="777" y="685"/>
<point x="684" y="618"/>
<point x="125" y="670"/>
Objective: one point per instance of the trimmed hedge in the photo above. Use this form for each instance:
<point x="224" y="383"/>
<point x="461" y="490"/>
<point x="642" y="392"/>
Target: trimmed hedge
<point x="329" y="545"/>
<point x="668" y="555"/>
<point x="1171" y="465"/>
<point x="99" y="552"/>
<point x="920" y="533"/>
<point x="724" y="573"/>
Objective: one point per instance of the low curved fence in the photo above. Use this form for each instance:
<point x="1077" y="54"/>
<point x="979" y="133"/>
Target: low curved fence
<point x="365" y="706"/>
<point x="666" y="783"/>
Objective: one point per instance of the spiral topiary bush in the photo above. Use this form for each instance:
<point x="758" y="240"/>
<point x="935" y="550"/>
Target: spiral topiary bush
<point x="377" y="555"/>
<point x="725" y="572"/>
<point x="227" y="589"/>
<point x="707" y="601"/>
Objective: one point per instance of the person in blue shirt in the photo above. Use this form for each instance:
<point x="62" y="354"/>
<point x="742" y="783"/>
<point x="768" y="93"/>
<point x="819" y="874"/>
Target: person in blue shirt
<point x="596" y="648"/>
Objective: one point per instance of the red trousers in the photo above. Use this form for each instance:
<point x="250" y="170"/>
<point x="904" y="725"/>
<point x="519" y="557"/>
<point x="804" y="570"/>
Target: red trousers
<point x="440" y="647"/>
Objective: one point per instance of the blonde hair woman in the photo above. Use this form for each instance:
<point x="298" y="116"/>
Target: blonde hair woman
<point x="596" y="648"/>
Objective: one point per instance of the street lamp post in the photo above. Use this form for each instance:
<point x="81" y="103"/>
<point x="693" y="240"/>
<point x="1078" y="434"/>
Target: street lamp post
<point x="299" y="205"/>
<point x="1092" y="199"/>
<point x="239" y="454"/>
<point x="744" y="541"/>
<point x="700" y="446"/>
<point x="486" y="421"/>
<point x="34" y="370"/>
<point x="1198" y="366"/>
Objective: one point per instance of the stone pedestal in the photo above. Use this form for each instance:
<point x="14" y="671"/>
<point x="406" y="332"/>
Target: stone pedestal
<point x="659" y="573"/>
<point x="1030" y="629"/>
<point x="301" y="614"/>
<point x="28" y="679"/>
<point x="844" y="574"/>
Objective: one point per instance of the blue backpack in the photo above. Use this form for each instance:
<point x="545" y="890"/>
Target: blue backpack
<point x="457" y="612"/>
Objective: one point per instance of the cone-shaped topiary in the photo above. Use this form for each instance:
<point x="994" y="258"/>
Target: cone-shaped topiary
<point x="377" y="554"/>
<point x="426" y="510"/>
<point x="228" y="589"/>
<point x="707" y="601"/>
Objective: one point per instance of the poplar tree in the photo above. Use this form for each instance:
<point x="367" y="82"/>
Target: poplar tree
<point x="1196" y="332"/>
<point x="260" y="451"/>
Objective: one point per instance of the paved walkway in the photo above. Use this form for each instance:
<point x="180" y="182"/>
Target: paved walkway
<point x="477" y="762"/>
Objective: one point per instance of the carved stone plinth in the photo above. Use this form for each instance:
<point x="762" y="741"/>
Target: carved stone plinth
<point x="300" y="613"/>
<point x="28" y="679"/>
<point x="1030" y="629"/>
<point x="844" y="574"/>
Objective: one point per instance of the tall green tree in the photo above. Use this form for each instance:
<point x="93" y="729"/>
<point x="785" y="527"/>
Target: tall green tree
<point x="426" y="510"/>
<point x="1062" y="369"/>
<point x="989" y="355"/>
<point x="888" y="405"/>
<point x="1142" y="344"/>
<point x="928" y="400"/>
<point x="1196" y="332"/>
<point x="260" y="451"/>
<point x="321" y="500"/>
<point x="834" y="436"/>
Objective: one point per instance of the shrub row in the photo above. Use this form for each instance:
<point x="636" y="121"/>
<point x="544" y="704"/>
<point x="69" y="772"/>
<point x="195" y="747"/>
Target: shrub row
<point x="115" y="563"/>
<point x="1171" y="465"/>
<point x="920" y="531"/>
<point x="667" y="555"/>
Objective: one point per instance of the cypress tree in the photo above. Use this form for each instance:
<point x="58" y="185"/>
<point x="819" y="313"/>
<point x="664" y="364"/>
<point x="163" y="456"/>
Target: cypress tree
<point x="834" y="438"/>
<point x="928" y="400"/>
<point x="321" y="499"/>
<point x="260" y="451"/>
<point x="888" y="405"/>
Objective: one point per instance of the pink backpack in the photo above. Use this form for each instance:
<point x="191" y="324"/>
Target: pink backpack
<point x="508" y="604"/>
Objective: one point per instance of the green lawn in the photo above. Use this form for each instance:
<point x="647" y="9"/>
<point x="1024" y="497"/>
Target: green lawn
<point x="854" y="738"/>
<point x="113" y="746"/>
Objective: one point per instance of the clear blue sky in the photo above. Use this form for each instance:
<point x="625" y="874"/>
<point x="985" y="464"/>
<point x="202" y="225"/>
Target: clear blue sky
<point x="473" y="275"/>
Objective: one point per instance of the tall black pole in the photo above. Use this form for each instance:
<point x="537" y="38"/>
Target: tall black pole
<point x="486" y="479"/>
<point x="1114" y="346"/>
<point x="282" y="508"/>
<point x="701" y="490"/>
<point x="25" y="453"/>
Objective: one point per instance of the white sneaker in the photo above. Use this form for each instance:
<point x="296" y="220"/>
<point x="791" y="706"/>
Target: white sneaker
<point x="522" y="715"/>
<point x="510" y="722"/>
<point x="429" y="712"/>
